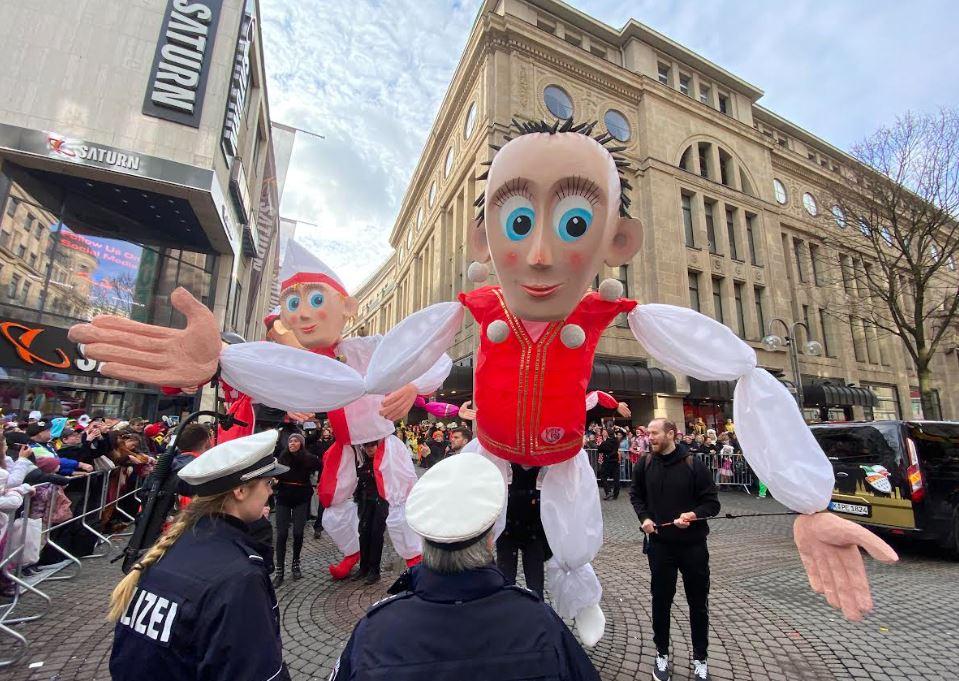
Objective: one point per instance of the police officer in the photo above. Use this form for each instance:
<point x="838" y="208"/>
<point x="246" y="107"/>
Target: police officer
<point x="199" y="604"/>
<point x="456" y="617"/>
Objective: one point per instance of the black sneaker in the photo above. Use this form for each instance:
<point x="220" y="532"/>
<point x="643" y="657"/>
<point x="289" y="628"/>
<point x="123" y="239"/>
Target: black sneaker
<point x="296" y="571"/>
<point x="278" y="579"/>
<point x="361" y="575"/>
<point x="317" y="533"/>
<point x="700" y="671"/>
<point x="661" y="668"/>
<point x="372" y="578"/>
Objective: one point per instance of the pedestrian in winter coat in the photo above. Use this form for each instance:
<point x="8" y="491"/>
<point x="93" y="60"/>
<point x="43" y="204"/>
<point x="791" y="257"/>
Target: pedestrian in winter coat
<point x="293" y="494"/>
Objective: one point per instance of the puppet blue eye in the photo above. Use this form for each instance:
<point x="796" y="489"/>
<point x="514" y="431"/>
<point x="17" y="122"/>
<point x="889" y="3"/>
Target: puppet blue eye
<point x="575" y="217"/>
<point x="293" y="303"/>
<point x="573" y="224"/>
<point x="316" y="299"/>
<point x="520" y="218"/>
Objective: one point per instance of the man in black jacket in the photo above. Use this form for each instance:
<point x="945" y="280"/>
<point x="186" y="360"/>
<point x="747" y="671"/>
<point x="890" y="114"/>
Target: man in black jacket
<point x="673" y="492"/>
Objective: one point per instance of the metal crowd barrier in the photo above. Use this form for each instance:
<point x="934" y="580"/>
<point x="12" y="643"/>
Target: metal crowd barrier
<point x="12" y="569"/>
<point x="730" y="470"/>
<point x="625" y="465"/>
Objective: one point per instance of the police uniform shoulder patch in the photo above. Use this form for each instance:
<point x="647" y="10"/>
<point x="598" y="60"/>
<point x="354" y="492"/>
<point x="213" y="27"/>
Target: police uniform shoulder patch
<point x="523" y="590"/>
<point x="379" y="605"/>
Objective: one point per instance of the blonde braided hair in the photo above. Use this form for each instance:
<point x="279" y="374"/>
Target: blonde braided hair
<point x="185" y="520"/>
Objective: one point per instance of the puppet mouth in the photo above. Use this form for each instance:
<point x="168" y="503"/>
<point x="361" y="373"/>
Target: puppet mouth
<point x="309" y="329"/>
<point x="540" y="290"/>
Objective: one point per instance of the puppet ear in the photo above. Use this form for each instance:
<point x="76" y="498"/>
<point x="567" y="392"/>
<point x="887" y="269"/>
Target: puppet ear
<point x="626" y="242"/>
<point x="478" y="242"/>
<point x="350" y="306"/>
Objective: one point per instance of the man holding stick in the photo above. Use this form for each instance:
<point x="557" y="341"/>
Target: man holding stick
<point x="671" y="490"/>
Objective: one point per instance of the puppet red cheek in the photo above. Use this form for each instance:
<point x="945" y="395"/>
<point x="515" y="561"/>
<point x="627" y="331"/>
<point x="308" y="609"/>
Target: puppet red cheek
<point x="512" y="257"/>
<point x="321" y="315"/>
<point x="576" y="260"/>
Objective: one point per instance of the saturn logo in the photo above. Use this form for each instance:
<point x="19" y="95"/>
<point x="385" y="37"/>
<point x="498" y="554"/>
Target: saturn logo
<point x="24" y="340"/>
<point x="552" y="435"/>
<point x="57" y="145"/>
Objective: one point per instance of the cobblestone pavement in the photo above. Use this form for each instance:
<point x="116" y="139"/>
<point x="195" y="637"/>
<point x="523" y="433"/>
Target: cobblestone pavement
<point x="765" y="621"/>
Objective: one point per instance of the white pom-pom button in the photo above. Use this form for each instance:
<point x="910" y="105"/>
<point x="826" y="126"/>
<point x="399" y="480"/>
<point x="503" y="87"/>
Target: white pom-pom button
<point x="611" y="289"/>
<point x="497" y="331"/>
<point x="572" y="336"/>
<point x="477" y="272"/>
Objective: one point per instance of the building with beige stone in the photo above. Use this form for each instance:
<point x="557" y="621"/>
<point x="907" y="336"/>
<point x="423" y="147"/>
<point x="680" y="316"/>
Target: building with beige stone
<point x="135" y="157"/>
<point x="734" y="199"/>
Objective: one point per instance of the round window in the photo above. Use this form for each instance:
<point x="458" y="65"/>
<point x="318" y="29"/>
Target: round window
<point x="409" y="239"/>
<point x="617" y="125"/>
<point x="864" y="227"/>
<point x="432" y="194"/>
<point x="419" y="218"/>
<point x="809" y="203"/>
<point x="886" y="236"/>
<point x="780" y="190"/>
<point x="470" y="121"/>
<point x="558" y="102"/>
<point x="839" y="217"/>
<point x="449" y="163"/>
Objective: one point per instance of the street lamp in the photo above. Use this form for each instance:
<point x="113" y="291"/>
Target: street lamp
<point x="773" y="342"/>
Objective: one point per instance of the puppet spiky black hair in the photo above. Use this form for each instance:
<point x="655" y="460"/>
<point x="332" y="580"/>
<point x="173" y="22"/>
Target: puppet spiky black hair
<point x="518" y="129"/>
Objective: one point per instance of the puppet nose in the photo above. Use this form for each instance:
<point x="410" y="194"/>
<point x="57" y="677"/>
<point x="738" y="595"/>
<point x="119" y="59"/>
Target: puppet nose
<point x="539" y="254"/>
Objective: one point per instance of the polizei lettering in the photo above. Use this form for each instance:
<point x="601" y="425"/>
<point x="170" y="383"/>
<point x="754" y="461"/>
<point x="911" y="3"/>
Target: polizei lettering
<point x="151" y="616"/>
<point x="182" y="59"/>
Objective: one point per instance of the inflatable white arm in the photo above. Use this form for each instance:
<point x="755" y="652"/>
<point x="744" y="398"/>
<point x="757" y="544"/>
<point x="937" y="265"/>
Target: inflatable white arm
<point x="413" y="350"/>
<point x="288" y="378"/>
<point x="776" y="441"/>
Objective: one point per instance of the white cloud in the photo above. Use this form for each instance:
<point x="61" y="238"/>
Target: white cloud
<point x="372" y="79"/>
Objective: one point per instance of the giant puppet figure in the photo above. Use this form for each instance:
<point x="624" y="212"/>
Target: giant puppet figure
<point x="314" y="308"/>
<point x="554" y="212"/>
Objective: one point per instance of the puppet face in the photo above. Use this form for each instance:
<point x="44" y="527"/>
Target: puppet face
<point x="316" y="314"/>
<point x="551" y="220"/>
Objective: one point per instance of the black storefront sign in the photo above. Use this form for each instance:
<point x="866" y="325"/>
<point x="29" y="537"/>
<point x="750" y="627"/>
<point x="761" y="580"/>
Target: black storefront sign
<point x="38" y="347"/>
<point x="182" y="61"/>
<point x="239" y="84"/>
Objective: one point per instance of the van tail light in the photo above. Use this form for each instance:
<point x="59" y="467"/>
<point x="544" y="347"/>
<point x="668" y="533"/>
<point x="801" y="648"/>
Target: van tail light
<point x="917" y="484"/>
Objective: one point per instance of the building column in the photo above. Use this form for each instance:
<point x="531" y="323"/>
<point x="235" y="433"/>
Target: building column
<point x="734" y="174"/>
<point x="712" y="160"/>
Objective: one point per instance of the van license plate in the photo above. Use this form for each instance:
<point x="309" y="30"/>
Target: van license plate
<point x="852" y="509"/>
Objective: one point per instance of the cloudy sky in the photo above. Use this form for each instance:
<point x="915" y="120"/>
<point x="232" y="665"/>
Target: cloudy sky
<point x="372" y="79"/>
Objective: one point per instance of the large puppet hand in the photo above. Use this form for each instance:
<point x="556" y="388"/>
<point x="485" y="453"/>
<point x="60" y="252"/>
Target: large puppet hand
<point x="829" y="548"/>
<point x="623" y="410"/>
<point x="142" y="353"/>
<point x="397" y="404"/>
<point x="467" y="412"/>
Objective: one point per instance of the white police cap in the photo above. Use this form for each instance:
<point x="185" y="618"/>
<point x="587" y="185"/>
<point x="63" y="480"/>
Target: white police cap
<point x="456" y="501"/>
<point x="233" y="463"/>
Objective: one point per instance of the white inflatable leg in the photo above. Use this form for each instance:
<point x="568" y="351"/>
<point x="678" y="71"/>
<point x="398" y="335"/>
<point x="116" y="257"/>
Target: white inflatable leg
<point x="573" y="522"/>
<point x="342" y="520"/>
<point x="399" y="476"/>
<point x="342" y="523"/>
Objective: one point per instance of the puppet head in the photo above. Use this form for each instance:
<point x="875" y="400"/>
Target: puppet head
<point x="315" y="307"/>
<point x="554" y="211"/>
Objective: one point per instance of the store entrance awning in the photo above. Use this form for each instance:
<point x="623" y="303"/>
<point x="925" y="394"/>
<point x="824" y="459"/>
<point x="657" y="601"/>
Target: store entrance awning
<point x="626" y="379"/>
<point x="717" y="391"/>
<point x="838" y="395"/>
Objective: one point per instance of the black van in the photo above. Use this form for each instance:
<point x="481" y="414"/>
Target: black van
<point x="900" y="477"/>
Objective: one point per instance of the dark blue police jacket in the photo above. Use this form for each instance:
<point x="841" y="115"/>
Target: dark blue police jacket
<point x="206" y="610"/>
<point x="466" y="627"/>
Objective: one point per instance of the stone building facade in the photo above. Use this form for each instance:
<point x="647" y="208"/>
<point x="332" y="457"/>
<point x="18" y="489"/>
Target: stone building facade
<point x="734" y="199"/>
